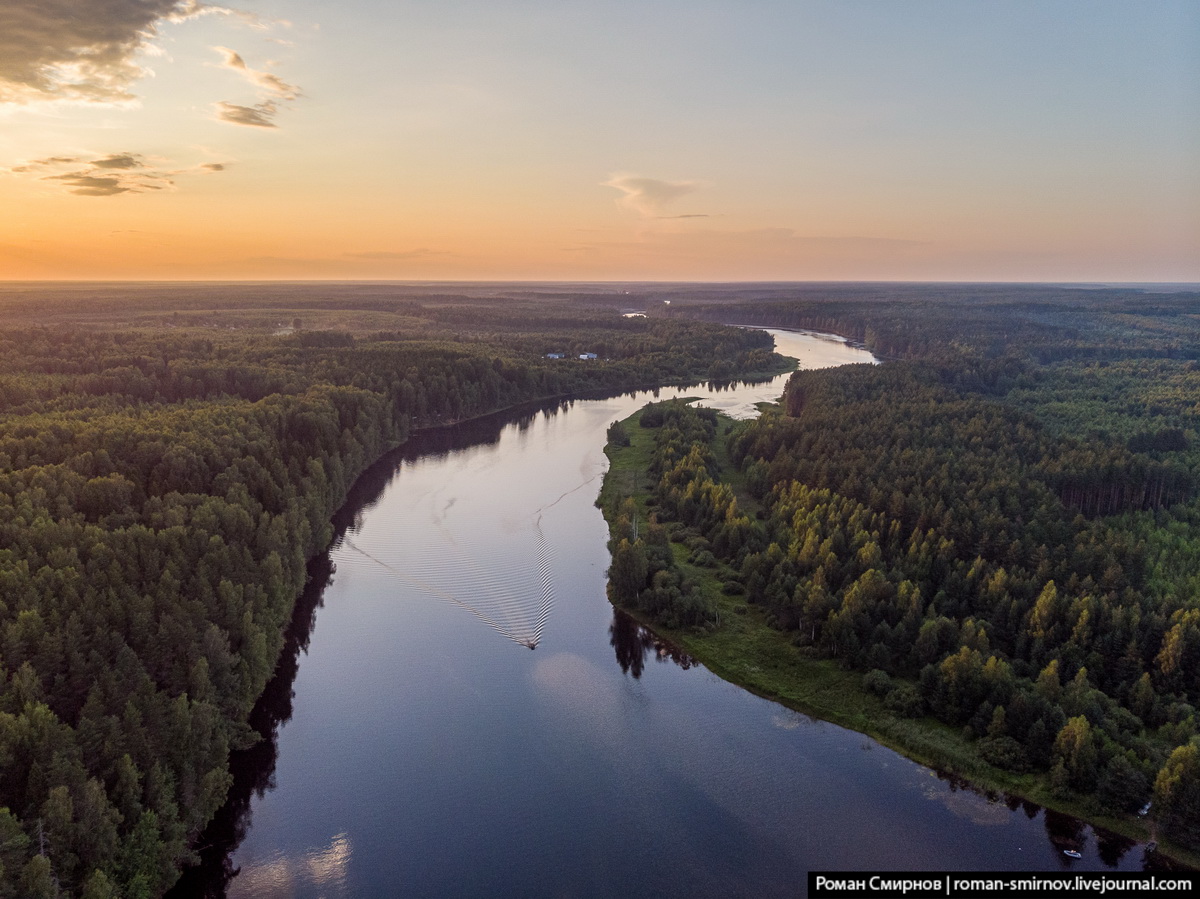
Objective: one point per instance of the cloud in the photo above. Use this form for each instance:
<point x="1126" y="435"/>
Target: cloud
<point x="54" y="160"/>
<point x="87" y="50"/>
<point x="689" y="215"/>
<point x="119" y="161"/>
<point x="94" y="182"/>
<point x="90" y="51"/>
<point x="110" y="175"/>
<point x="39" y="164"/>
<point x="261" y="115"/>
<point x="273" y="84"/>
<point x="70" y="50"/>
<point x="648" y="196"/>
<point x="91" y="185"/>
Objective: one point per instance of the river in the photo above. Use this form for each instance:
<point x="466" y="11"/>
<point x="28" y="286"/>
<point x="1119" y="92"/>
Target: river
<point x="418" y="747"/>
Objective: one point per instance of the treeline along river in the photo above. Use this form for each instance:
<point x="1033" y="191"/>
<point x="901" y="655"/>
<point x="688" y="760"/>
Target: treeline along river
<point x="417" y="746"/>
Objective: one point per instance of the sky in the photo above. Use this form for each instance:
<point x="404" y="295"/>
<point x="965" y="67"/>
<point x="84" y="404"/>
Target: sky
<point x="707" y="140"/>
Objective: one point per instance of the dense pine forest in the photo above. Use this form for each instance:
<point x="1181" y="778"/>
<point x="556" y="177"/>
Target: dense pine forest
<point x="170" y="459"/>
<point x="999" y="527"/>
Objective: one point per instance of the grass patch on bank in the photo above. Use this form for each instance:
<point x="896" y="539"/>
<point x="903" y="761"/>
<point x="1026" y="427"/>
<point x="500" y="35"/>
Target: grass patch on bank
<point x="628" y="468"/>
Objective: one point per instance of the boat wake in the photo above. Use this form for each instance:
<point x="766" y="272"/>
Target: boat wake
<point x="504" y="593"/>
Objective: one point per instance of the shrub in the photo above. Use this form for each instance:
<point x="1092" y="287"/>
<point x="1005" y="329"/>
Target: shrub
<point x="1004" y="752"/>
<point x="905" y="699"/>
<point x="877" y="682"/>
<point x="617" y="435"/>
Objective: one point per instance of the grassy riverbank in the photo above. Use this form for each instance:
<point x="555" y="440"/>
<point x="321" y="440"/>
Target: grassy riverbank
<point x="743" y="648"/>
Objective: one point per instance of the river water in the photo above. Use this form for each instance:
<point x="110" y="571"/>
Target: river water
<point x="418" y="747"/>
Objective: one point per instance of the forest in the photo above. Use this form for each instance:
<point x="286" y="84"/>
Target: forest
<point x="170" y="459"/>
<point x="999" y="527"/>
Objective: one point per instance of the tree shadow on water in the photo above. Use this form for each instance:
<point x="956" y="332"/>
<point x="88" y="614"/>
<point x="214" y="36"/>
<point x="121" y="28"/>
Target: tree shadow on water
<point x="634" y="644"/>
<point x="253" y="769"/>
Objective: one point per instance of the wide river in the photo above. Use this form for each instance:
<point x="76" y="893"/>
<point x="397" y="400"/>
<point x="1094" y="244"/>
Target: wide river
<point x="418" y="747"/>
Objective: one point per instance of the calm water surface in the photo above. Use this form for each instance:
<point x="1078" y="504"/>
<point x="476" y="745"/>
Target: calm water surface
<point x="420" y="748"/>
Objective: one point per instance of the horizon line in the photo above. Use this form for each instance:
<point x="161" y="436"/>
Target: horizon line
<point x="582" y="281"/>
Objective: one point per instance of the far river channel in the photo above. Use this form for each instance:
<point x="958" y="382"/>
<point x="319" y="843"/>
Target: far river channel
<point x="418" y="748"/>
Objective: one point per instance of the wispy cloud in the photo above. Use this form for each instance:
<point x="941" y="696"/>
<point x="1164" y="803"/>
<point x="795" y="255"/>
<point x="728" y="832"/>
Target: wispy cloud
<point x="110" y="175"/>
<point x="260" y="115"/>
<point x="119" y="161"/>
<point x="269" y="82"/>
<point x="39" y="164"/>
<point x="649" y="196"/>
<point x="88" y="185"/>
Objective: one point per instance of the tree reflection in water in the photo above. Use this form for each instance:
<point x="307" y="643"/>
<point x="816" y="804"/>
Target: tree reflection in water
<point x="254" y="768"/>
<point x="633" y="644"/>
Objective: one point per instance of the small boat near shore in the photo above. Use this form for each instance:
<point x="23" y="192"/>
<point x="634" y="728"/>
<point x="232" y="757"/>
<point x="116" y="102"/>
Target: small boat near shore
<point x="1071" y="853"/>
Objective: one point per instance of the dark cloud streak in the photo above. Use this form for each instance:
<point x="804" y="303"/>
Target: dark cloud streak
<point x="119" y="161"/>
<point x="87" y="185"/>
<point x="107" y="176"/>
<point x="261" y="115"/>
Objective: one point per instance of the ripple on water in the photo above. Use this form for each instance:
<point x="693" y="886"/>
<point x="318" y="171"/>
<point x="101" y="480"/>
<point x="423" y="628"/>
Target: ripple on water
<point x="507" y="585"/>
<point x="318" y="871"/>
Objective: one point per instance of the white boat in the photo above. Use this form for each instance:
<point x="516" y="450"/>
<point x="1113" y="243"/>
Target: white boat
<point x="1071" y="853"/>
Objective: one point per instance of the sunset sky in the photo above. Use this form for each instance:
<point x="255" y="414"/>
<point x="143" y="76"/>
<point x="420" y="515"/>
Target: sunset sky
<point x="600" y="139"/>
